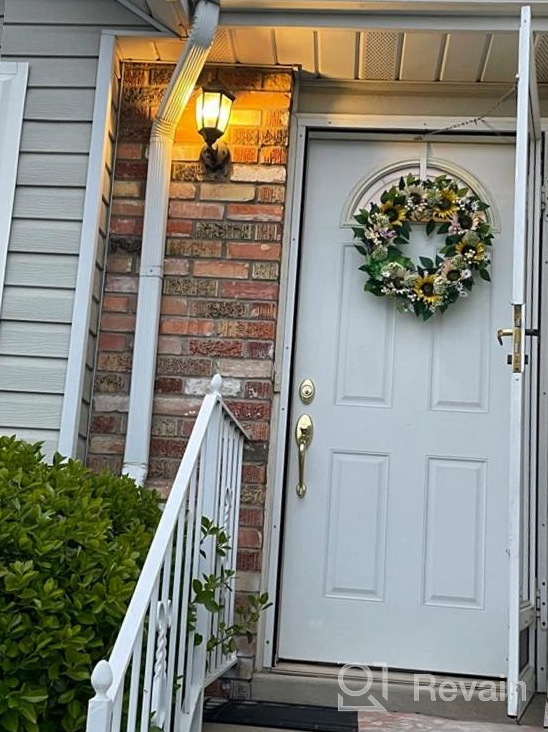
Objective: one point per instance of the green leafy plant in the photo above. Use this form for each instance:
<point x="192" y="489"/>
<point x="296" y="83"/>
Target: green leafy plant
<point x="212" y="591"/>
<point x="72" y="544"/>
<point x="71" y="547"/>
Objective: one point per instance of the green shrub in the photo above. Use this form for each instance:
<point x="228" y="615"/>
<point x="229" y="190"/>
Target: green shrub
<point x="71" y="547"/>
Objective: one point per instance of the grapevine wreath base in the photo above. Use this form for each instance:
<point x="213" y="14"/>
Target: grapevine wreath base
<point x="448" y="208"/>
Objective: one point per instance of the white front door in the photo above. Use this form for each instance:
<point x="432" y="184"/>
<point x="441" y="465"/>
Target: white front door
<point x="398" y="552"/>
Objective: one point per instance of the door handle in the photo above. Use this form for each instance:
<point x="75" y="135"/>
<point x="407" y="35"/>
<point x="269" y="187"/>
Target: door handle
<point x="509" y="332"/>
<point x="504" y="333"/>
<point x="304" y="432"/>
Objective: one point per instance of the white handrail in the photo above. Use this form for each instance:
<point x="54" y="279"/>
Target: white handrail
<point x="156" y="673"/>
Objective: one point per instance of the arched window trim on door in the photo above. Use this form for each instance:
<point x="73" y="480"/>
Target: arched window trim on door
<point x="370" y="187"/>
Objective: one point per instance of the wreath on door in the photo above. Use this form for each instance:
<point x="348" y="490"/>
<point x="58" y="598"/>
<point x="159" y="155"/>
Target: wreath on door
<point x="448" y="208"/>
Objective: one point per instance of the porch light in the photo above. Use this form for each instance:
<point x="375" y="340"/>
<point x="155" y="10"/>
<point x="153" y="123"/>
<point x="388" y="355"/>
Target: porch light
<point x="213" y="107"/>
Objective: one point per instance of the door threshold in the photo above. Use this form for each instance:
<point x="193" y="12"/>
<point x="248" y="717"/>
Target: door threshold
<point x="296" y="668"/>
<point x="317" y="685"/>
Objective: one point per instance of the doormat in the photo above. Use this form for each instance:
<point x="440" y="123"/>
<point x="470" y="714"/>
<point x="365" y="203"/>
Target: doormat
<point x="280" y="716"/>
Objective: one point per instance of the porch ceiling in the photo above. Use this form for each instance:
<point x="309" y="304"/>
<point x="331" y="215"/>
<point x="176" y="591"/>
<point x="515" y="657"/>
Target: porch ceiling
<point x="369" y="55"/>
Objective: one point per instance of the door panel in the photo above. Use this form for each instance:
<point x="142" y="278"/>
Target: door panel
<point x="397" y="554"/>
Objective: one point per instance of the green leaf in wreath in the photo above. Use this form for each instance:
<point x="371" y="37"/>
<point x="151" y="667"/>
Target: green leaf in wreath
<point x="444" y="228"/>
<point x="430" y="226"/>
<point x="426" y="262"/>
<point x="484" y="274"/>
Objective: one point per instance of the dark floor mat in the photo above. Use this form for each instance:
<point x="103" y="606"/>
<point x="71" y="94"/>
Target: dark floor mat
<point x="280" y="716"/>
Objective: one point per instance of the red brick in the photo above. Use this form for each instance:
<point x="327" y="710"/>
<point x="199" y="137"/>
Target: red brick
<point x="254" y="212"/>
<point x="110" y="342"/>
<point x="127" y="207"/>
<point x="171" y="345"/>
<point x="129" y="151"/>
<point x="120" y="264"/>
<point x="258" y="390"/>
<point x="249" y="538"/>
<point x="253" y="473"/>
<point x="179" y="189"/>
<point x="112" y="445"/>
<point x="245" y="250"/>
<point x="271" y="194"/>
<point x="215" y="347"/>
<point x="244" y="154"/>
<point x="173" y="305"/>
<point x="120" y="225"/>
<point x="259" y="349"/>
<point x="278" y="81"/>
<point x="104" y="423"/>
<point x="175" y="267"/>
<point x="221" y="268"/>
<point x="246" y="329"/>
<point x="179" y="227"/>
<point x="194" y="210"/>
<point x="262" y="100"/>
<point x="250" y="290"/>
<point x="187" y="326"/>
<point x="264" y="310"/>
<point x="121" y="284"/>
<point x="117" y="362"/>
<point x="249" y="409"/>
<point x="259" y="431"/>
<point x="131" y="171"/>
<point x="166" y="385"/>
<point x="248" y="561"/>
<point x="118" y="322"/>
<point x="116" y="303"/>
<point x="98" y="463"/>
<point x="251" y="516"/>
<point x="169" y="448"/>
<point x="274" y="155"/>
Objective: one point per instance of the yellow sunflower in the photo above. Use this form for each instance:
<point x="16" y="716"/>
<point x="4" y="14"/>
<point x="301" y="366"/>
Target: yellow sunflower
<point x="446" y="204"/>
<point x="424" y="289"/>
<point x="396" y="214"/>
<point x="471" y="252"/>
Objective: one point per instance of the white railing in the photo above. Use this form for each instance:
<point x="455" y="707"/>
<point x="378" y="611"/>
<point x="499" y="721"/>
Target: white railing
<point x="156" y="673"/>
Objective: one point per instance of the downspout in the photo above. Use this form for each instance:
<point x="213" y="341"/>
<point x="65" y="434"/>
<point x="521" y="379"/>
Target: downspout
<point x="181" y="86"/>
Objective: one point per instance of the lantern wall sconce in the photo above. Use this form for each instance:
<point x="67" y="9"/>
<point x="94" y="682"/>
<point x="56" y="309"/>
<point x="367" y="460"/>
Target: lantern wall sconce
<point x="213" y="107"/>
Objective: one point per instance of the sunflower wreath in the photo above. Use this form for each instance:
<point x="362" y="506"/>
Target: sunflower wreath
<point x="432" y="286"/>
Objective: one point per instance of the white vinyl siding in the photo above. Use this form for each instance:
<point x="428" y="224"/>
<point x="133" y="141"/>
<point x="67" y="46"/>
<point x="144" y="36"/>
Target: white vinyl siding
<point x="60" y="39"/>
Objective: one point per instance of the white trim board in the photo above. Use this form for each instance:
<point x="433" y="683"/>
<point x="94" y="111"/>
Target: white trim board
<point x="79" y="334"/>
<point x="13" y="89"/>
<point x="302" y="125"/>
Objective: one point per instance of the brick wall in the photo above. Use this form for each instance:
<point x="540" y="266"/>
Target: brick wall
<point x="220" y="292"/>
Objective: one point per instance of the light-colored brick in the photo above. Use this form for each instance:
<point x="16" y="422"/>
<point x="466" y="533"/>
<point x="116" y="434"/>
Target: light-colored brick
<point x="227" y="192"/>
<point x="180" y="189"/>
<point x="127" y="189"/>
<point x="247" y="117"/>
<point x="192" y="210"/>
<point x="110" y="403"/>
<point x="254" y="212"/>
<point x="259" y="173"/>
<point x="199" y="387"/>
<point x="245" y="368"/>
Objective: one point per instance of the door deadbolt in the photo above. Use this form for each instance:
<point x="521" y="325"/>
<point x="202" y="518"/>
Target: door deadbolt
<point x="307" y="391"/>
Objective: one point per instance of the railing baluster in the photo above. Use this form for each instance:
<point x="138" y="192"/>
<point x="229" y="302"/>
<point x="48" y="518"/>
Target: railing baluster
<point x="176" y="612"/>
<point x="117" y="710"/>
<point x="149" y="658"/>
<point x="134" y="684"/>
<point x="184" y="639"/>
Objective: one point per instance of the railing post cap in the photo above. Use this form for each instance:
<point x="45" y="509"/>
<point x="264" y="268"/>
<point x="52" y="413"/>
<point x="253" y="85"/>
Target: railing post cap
<point x="102" y="678"/>
<point x="216" y="384"/>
